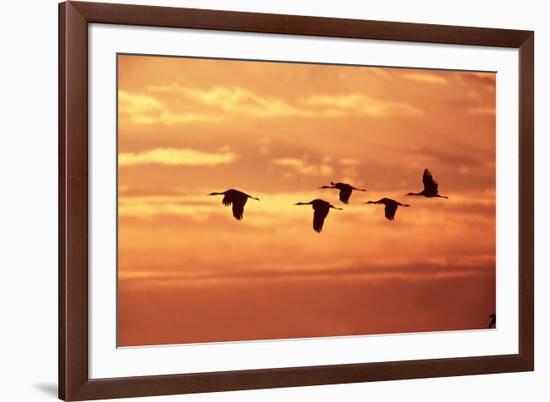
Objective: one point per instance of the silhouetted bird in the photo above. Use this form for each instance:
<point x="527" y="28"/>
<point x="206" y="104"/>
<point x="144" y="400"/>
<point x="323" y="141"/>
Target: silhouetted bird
<point x="430" y="186"/>
<point x="320" y="212"/>
<point x="390" y="206"/>
<point x="492" y="321"/>
<point x="345" y="190"/>
<point x="237" y="199"/>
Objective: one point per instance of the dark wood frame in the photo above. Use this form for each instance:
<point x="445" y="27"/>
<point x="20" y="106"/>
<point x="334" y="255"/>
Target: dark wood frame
<point x="74" y="383"/>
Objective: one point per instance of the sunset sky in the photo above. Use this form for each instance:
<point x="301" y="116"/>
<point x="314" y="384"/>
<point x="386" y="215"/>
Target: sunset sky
<point x="189" y="272"/>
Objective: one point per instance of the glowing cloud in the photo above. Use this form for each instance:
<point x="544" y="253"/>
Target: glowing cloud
<point x="482" y="110"/>
<point x="236" y="101"/>
<point x="151" y="206"/>
<point x="145" y="109"/>
<point x="137" y="103"/>
<point x="381" y="72"/>
<point x="303" y="167"/>
<point x="349" y="161"/>
<point x="426" y="78"/>
<point x="362" y="105"/>
<point x="175" y="156"/>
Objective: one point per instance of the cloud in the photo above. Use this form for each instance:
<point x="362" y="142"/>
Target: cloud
<point x="182" y="118"/>
<point x="457" y="155"/>
<point x="173" y="205"/>
<point x="379" y="71"/>
<point x="225" y="102"/>
<point x="488" y="111"/>
<point x="235" y="100"/>
<point x="137" y="103"/>
<point x="145" y="109"/>
<point x="414" y="271"/>
<point x="426" y="78"/>
<point x="488" y="79"/>
<point x="479" y="81"/>
<point x="304" y="167"/>
<point x="349" y="161"/>
<point x="175" y="157"/>
<point x="357" y="104"/>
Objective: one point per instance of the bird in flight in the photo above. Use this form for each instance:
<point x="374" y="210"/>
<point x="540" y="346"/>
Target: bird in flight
<point x="430" y="187"/>
<point x="345" y="190"/>
<point x="390" y="206"/>
<point x="237" y="199"/>
<point x="320" y="212"/>
<point x="492" y="321"/>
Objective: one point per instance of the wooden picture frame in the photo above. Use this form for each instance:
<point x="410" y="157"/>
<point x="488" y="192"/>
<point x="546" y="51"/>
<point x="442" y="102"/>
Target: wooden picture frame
<point x="74" y="381"/>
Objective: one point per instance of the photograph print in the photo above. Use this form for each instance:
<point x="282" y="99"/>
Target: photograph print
<point x="262" y="200"/>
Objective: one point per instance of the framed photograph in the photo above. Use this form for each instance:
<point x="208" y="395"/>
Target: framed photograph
<point x="259" y="200"/>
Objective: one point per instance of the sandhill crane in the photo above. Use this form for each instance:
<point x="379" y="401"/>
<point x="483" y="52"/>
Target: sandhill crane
<point x="320" y="212"/>
<point x="430" y="186"/>
<point x="237" y="199"/>
<point x="492" y="321"/>
<point x="345" y="190"/>
<point x="390" y="206"/>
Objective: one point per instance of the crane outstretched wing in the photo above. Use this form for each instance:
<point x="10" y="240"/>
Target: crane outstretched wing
<point x="319" y="215"/>
<point x="238" y="207"/>
<point x="389" y="211"/>
<point x="227" y="199"/>
<point x="430" y="185"/>
<point x="345" y="193"/>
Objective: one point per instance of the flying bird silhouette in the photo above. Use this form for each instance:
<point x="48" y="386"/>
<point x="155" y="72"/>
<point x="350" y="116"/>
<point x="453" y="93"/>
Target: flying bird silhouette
<point x="390" y="206"/>
<point x="236" y="198"/>
<point x="430" y="187"/>
<point x="320" y="212"/>
<point x="492" y="321"/>
<point x="345" y="190"/>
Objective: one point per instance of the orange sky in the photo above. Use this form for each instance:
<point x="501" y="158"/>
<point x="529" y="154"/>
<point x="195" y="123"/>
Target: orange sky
<point x="189" y="272"/>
